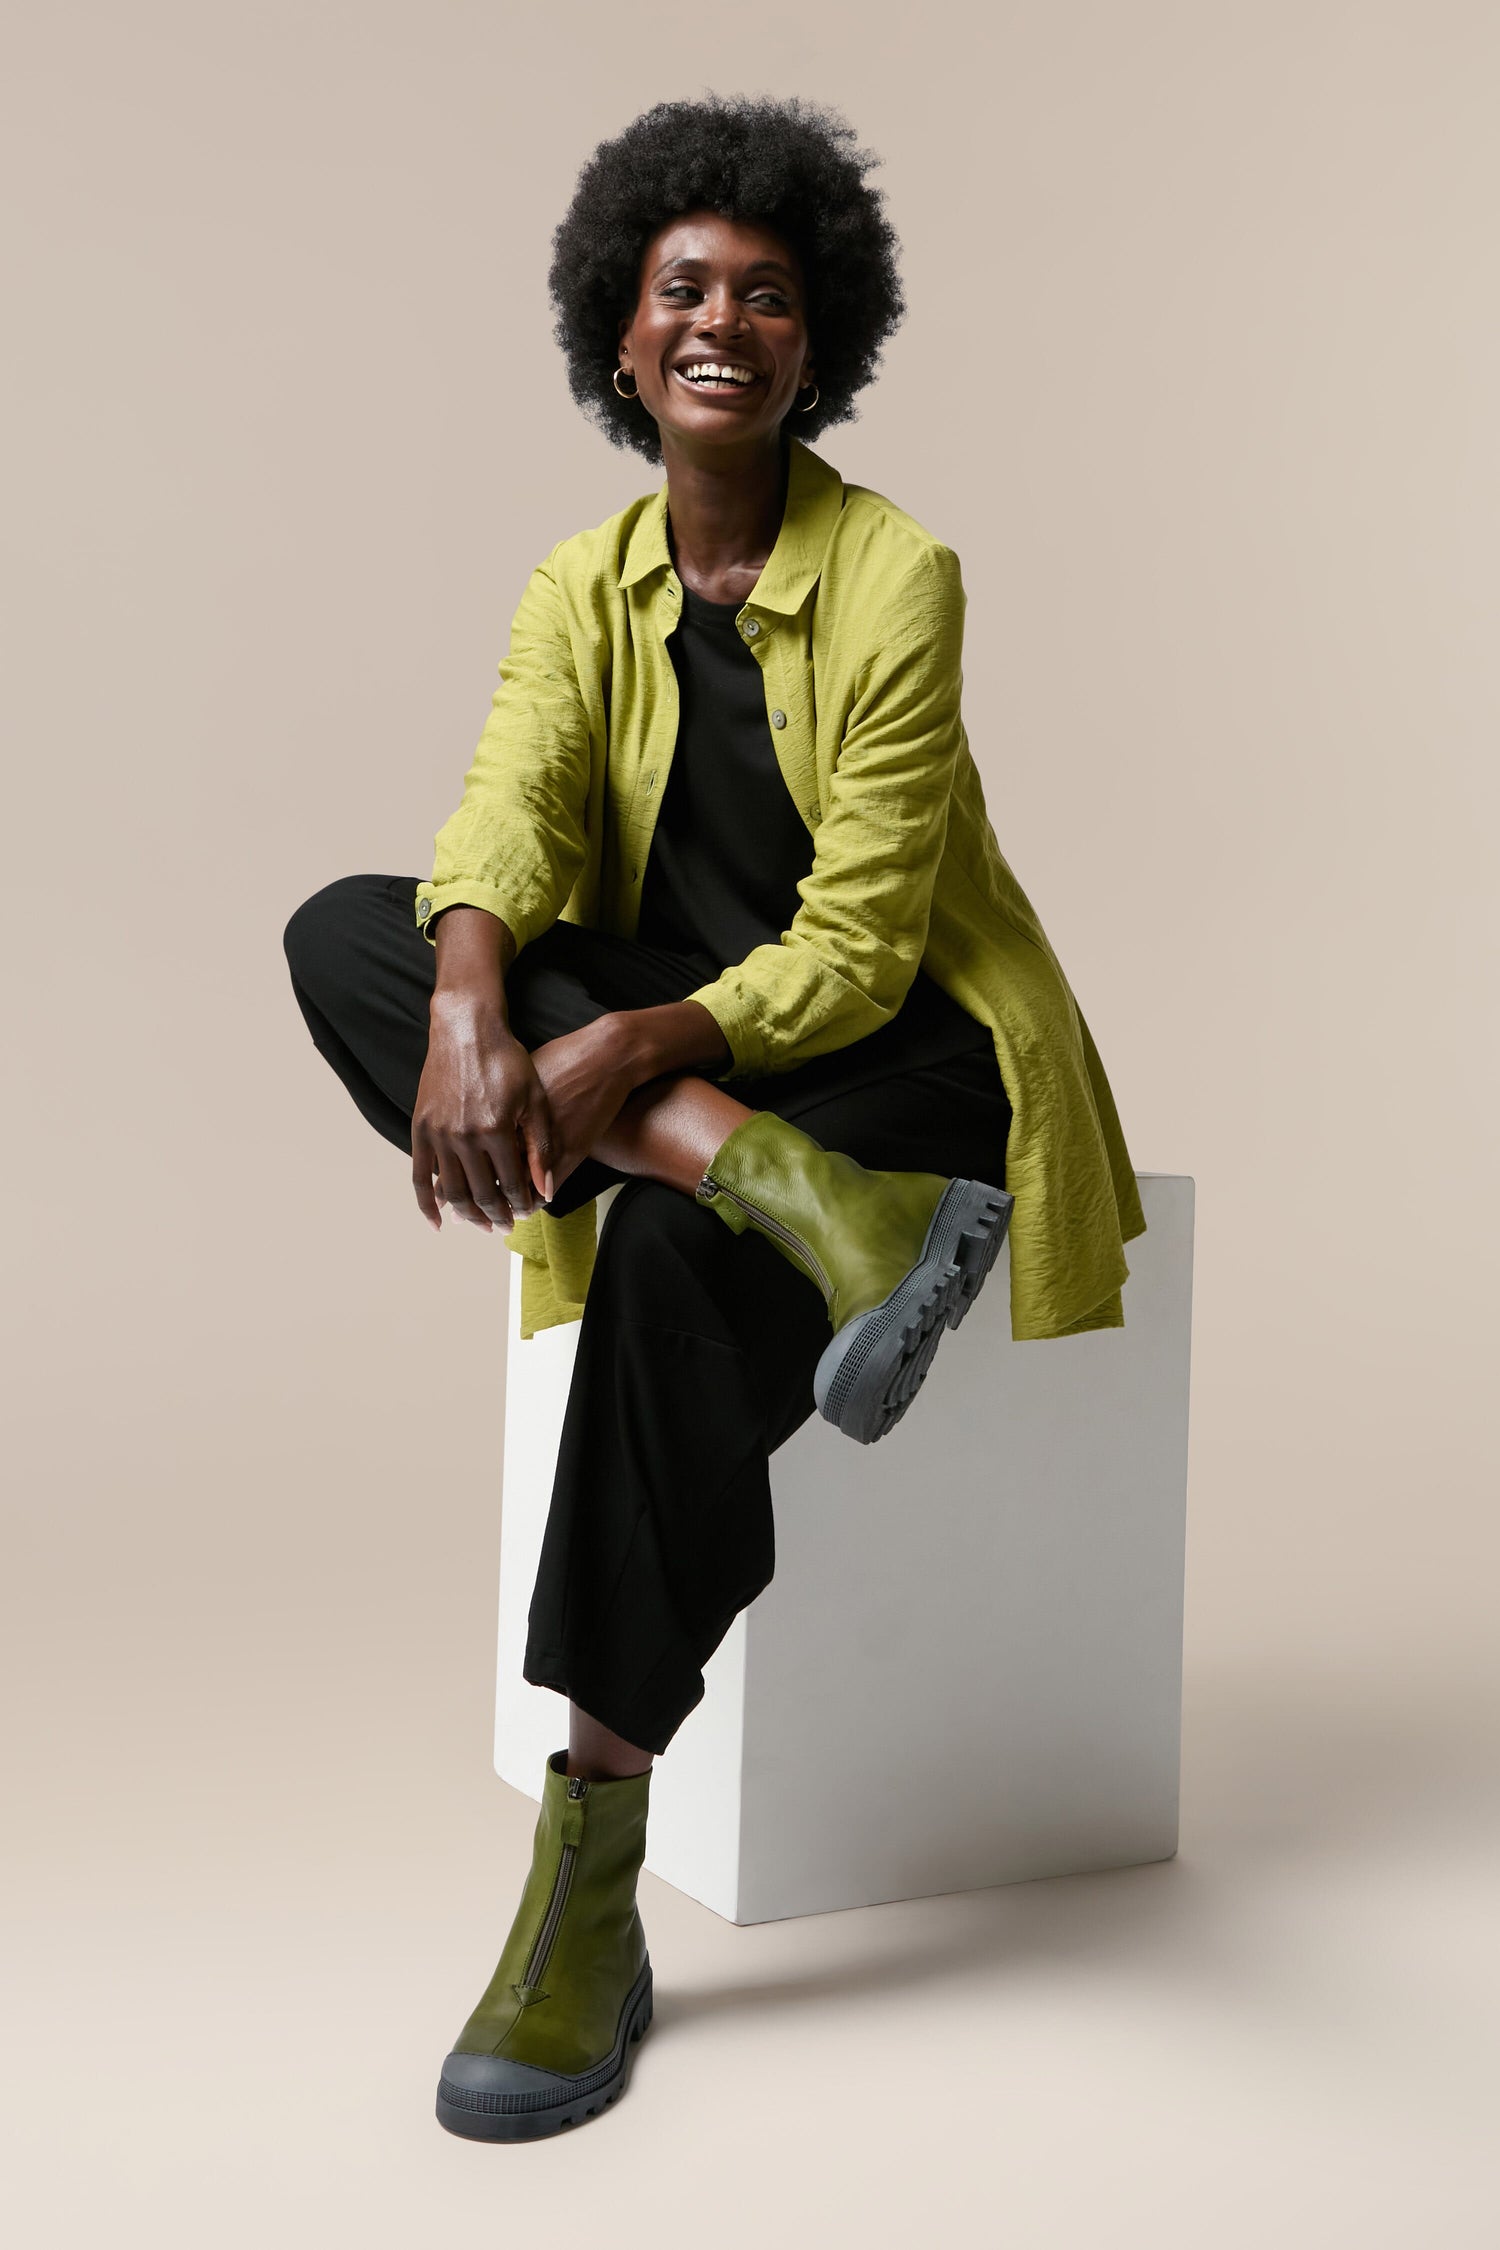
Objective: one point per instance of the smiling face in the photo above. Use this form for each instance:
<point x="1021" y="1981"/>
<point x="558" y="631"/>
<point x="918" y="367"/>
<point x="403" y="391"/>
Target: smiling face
<point x="717" y="342"/>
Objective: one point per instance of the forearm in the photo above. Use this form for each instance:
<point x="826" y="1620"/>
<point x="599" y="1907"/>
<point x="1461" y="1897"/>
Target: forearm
<point x="681" y="1035"/>
<point x="474" y="950"/>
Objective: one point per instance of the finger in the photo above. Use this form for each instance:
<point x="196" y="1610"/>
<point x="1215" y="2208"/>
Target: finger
<point x="484" y="1191"/>
<point x="504" y="1151"/>
<point x="537" y="1139"/>
<point x="453" y="1189"/>
<point x="423" y="1165"/>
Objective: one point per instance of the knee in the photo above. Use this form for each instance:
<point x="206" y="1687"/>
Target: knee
<point x="318" y="937"/>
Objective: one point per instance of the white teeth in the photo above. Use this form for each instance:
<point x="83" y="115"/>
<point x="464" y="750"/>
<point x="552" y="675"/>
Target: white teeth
<point x="714" y="371"/>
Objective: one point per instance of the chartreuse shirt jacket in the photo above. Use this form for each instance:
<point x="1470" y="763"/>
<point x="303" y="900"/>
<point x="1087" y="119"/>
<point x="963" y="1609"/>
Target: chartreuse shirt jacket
<point x="857" y="625"/>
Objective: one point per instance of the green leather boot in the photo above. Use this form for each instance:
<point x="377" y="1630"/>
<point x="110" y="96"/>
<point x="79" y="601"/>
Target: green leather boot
<point x="553" y="2038"/>
<point x="899" y="1257"/>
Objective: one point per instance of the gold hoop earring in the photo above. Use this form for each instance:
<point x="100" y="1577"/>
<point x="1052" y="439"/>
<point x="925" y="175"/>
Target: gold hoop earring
<point x="812" y="402"/>
<point x="615" y="379"/>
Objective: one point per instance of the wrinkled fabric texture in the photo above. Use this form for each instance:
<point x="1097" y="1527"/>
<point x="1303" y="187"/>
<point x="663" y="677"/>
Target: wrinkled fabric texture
<point x="857" y="625"/>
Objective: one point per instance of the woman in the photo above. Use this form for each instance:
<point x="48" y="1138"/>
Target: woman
<point x="721" y="916"/>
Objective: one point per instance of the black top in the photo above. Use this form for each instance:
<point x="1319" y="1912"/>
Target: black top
<point x="730" y="847"/>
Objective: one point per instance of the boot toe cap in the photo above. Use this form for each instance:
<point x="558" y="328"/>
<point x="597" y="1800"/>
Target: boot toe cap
<point x="493" y="2097"/>
<point x="504" y="2081"/>
<point x="490" y="2097"/>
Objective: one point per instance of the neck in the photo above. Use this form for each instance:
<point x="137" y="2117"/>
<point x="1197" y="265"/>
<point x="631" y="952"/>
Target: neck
<point x="724" y="510"/>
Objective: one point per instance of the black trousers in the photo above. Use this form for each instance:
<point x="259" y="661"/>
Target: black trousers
<point x="697" y="1346"/>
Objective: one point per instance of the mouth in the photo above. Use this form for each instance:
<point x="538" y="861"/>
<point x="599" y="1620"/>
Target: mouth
<point x="720" y="377"/>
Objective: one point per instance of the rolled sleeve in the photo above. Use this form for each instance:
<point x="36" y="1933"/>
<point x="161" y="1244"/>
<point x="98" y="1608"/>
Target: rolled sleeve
<point x="735" y="1016"/>
<point x="433" y="899"/>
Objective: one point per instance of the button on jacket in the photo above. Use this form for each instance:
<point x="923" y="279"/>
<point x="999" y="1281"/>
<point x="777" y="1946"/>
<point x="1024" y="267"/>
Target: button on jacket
<point x="857" y="625"/>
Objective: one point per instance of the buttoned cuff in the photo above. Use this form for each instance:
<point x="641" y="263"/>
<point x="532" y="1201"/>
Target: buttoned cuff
<point x="736" y="1018"/>
<point x="432" y="898"/>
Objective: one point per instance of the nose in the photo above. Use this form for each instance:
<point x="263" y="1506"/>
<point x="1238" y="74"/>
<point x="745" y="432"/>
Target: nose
<point x="721" y="313"/>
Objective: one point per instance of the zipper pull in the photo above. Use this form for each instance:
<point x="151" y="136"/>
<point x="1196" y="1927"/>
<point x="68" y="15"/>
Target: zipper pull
<point x="572" y="1813"/>
<point x="706" y="1190"/>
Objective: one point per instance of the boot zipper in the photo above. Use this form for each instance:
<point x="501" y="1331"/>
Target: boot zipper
<point x="561" y="1883"/>
<point x="708" y="1191"/>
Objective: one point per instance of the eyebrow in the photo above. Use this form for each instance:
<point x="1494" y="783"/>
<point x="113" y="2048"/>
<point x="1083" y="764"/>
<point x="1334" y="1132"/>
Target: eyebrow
<point x="696" y="265"/>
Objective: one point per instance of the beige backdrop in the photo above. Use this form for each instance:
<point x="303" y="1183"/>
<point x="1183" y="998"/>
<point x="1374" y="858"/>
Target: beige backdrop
<point x="1199" y="379"/>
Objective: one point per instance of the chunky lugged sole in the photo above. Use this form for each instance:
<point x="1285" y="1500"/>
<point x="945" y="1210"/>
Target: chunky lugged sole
<point x="875" y="1365"/>
<point x="551" y="2108"/>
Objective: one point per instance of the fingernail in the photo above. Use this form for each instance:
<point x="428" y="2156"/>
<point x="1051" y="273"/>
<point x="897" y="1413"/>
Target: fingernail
<point x="547" y="1184"/>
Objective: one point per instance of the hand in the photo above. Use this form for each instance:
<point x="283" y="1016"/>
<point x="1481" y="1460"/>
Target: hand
<point x="481" y="1127"/>
<point x="587" y="1076"/>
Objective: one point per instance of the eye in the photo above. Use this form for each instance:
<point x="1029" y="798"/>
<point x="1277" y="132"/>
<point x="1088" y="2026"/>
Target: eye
<point x="679" y="288"/>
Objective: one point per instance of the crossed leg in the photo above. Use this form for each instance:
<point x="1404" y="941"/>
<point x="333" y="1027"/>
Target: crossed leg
<point x="364" y="976"/>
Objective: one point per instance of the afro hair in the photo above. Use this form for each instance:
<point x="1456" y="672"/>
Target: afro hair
<point x="791" y="166"/>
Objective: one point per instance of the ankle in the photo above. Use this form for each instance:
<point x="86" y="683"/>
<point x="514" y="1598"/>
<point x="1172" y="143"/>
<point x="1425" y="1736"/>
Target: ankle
<point x="596" y="1753"/>
<point x="595" y="1769"/>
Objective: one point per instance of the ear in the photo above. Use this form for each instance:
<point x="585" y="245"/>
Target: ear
<point x="623" y="333"/>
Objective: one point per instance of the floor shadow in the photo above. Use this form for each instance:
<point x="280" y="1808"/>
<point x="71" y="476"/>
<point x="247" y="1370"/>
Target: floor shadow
<point x="1290" y="1791"/>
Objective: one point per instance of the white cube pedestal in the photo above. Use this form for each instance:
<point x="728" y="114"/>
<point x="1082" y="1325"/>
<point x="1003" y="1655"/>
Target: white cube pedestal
<point x="968" y="1667"/>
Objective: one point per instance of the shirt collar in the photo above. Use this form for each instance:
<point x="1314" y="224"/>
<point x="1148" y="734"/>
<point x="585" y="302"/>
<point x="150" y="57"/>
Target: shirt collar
<point x="814" y="498"/>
